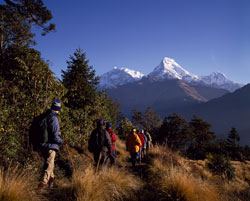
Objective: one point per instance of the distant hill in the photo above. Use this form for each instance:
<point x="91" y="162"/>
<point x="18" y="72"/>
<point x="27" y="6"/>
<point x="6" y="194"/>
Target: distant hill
<point x="230" y="110"/>
<point x="162" y="95"/>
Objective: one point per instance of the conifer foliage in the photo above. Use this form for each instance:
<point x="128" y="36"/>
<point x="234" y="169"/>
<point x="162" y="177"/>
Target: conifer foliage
<point x="80" y="80"/>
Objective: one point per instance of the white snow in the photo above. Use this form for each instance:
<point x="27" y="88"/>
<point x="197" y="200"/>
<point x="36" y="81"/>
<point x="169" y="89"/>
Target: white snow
<point x="119" y="76"/>
<point x="167" y="69"/>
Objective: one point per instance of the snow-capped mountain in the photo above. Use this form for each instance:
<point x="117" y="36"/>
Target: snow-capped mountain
<point x="167" y="69"/>
<point x="220" y="80"/>
<point x="119" y="76"/>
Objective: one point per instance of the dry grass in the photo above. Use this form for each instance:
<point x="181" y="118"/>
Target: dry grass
<point x="179" y="185"/>
<point x="122" y="154"/>
<point x="16" y="185"/>
<point x="108" y="185"/>
<point x="178" y="179"/>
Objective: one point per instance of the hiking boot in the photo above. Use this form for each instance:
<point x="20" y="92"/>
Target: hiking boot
<point x="41" y="187"/>
<point x="51" y="182"/>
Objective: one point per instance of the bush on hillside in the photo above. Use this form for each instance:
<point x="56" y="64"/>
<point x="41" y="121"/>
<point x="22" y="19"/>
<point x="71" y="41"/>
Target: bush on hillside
<point x="220" y="165"/>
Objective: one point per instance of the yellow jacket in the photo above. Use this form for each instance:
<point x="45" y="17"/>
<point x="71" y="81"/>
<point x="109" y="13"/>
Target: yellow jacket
<point x="133" y="142"/>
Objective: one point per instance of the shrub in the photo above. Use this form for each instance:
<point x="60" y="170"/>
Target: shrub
<point x="220" y="165"/>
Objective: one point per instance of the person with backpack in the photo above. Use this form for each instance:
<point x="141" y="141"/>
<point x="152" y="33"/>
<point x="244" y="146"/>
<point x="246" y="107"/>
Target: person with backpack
<point x="133" y="144"/>
<point x="45" y="129"/>
<point x="140" y="150"/>
<point x="100" y="144"/>
<point x="112" y="155"/>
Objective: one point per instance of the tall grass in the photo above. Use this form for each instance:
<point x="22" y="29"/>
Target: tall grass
<point x="108" y="185"/>
<point x="17" y="185"/>
<point x="122" y="154"/>
<point x="174" y="180"/>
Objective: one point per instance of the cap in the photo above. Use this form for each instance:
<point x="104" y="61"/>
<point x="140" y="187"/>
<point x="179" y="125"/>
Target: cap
<point x="56" y="105"/>
<point x="108" y="125"/>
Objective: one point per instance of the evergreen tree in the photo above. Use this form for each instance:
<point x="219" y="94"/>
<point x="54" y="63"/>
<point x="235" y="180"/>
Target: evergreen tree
<point x="202" y="138"/>
<point x="233" y="146"/>
<point x="85" y="104"/>
<point x="81" y="82"/>
<point x="16" y="19"/>
<point x="175" y="132"/>
<point x="124" y="128"/>
<point x="152" y="120"/>
<point x="233" y="138"/>
<point x="137" y="118"/>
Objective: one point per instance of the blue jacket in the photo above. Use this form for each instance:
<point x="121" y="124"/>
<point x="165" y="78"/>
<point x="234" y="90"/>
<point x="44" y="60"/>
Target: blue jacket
<point x="53" y="133"/>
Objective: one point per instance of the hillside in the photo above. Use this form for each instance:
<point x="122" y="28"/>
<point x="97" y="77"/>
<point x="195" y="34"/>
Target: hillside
<point x="164" y="175"/>
<point x="161" y="95"/>
<point x="223" y="113"/>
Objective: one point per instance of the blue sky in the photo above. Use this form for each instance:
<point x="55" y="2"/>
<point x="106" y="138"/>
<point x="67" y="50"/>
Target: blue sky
<point x="203" y="36"/>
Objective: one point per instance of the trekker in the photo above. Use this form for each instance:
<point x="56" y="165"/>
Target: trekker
<point x="144" y="146"/>
<point x="149" y="140"/>
<point x="51" y="147"/>
<point x="112" y="155"/>
<point x="142" y="142"/>
<point x="133" y="144"/>
<point x="100" y="144"/>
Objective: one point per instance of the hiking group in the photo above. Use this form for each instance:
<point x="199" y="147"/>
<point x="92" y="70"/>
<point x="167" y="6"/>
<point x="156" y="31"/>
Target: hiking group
<point x="44" y="137"/>
<point x="102" y="143"/>
<point x="138" y="144"/>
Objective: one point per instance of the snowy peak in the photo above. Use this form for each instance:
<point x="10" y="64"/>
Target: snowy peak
<point x="169" y="69"/>
<point x="119" y="76"/>
<point x="134" y="74"/>
<point x="215" y="77"/>
<point x="220" y="80"/>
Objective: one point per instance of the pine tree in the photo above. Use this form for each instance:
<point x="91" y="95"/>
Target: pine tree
<point x="17" y="18"/>
<point x="175" y="132"/>
<point x="233" y="138"/>
<point x="80" y="80"/>
<point x="202" y="138"/>
<point x="232" y="144"/>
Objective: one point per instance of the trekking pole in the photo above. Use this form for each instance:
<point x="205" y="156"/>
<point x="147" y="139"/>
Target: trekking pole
<point x="69" y="156"/>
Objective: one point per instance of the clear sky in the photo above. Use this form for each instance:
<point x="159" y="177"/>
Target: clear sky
<point x="203" y="36"/>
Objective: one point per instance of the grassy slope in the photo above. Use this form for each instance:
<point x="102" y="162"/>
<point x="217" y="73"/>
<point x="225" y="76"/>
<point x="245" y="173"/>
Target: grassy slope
<point x="165" y="176"/>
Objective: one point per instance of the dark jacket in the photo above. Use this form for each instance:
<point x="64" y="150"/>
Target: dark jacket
<point x="99" y="140"/>
<point x="53" y="133"/>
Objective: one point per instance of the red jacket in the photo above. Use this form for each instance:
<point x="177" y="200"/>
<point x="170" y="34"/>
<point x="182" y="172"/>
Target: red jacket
<point x="112" y="137"/>
<point x="141" y="138"/>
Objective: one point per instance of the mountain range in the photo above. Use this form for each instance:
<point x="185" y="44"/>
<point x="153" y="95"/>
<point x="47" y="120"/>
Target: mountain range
<point x="167" y="69"/>
<point x="169" y="88"/>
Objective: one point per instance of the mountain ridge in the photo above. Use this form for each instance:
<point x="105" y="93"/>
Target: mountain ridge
<point x="167" y="69"/>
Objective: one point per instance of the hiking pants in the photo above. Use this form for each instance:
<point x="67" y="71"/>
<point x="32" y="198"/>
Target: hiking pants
<point x="49" y="156"/>
<point x="112" y="157"/>
<point x="139" y="154"/>
<point x="134" y="157"/>
<point x="103" y="158"/>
